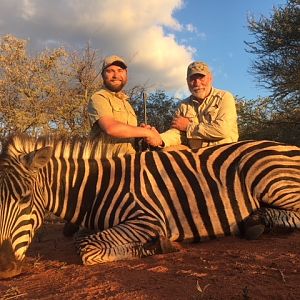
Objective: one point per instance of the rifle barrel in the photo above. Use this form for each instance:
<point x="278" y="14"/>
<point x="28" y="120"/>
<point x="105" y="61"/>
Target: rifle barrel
<point x="145" y="107"/>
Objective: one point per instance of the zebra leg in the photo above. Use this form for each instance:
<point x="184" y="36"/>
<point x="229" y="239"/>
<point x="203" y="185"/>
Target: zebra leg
<point x="270" y="220"/>
<point x="123" y="241"/>
<point x="254" y="226"/>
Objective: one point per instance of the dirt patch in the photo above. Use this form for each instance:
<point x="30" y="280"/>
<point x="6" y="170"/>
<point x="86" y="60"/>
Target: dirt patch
<point x="228" y="268"/>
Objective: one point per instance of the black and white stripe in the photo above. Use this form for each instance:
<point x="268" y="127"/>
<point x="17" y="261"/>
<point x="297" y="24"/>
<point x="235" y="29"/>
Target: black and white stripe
<point x="137" y="204"/>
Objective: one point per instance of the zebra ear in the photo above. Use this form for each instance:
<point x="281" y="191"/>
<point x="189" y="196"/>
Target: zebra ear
<point x="38" y="158"/>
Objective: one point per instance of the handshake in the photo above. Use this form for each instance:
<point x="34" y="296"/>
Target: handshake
<point x="153" y="137"/>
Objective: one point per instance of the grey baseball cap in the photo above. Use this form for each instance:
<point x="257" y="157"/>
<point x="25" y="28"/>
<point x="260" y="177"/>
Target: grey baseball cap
<point x="113" y="60"/>
<point x="198" y="67"/>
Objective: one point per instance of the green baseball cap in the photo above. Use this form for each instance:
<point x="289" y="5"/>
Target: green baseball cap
<point x="113" y="60"/>
<point x="198" y="67"/>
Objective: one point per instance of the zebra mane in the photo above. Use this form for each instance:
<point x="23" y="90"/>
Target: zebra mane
<point x="63" y="147"/>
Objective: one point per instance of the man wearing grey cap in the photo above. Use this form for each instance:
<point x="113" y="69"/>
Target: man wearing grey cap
<point x="207" y="117"/>
<point x="111" y="116"/>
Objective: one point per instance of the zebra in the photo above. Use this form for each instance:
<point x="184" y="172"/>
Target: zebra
<point x="138" y="205"/>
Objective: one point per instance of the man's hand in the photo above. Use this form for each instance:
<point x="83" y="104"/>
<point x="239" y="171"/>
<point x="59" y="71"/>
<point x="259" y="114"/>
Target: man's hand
<point x="145" y="126"/>
<point x="154" y="138"/>
<point x="180" y="123"/>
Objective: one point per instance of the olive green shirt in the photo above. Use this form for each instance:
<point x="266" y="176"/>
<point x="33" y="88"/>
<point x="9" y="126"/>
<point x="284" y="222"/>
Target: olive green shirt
<point x="107" y="103"/>
<point x="212" y="122"/>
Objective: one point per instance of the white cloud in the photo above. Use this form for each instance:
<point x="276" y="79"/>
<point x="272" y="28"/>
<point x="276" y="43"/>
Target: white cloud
<point x="28" y="9"/>
<point x="133" y="29"/>
<point x="191" y="28"/>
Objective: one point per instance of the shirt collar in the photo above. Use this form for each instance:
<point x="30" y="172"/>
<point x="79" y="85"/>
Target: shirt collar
<point x="121" y="95"/>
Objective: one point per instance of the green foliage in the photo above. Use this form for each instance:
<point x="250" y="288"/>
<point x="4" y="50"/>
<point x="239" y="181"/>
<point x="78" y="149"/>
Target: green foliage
<point x="277" y="67"/>
<point x="277" y="45"/>
<point x="259" y="119"/>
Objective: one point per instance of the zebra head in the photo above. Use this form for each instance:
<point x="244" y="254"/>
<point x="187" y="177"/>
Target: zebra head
<point x="21" y="205"/>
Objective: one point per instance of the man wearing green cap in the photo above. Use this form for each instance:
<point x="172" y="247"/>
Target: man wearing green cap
<point x="111" y="116"/>
<point x="207" y="117"/>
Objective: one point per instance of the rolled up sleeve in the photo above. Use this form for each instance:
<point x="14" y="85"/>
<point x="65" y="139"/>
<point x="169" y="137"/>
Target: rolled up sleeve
<point x="173" y="137"/>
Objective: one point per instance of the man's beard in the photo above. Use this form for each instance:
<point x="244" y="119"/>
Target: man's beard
<point x="114" y="88"/>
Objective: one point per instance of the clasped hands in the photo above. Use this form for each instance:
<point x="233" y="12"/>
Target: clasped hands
<point x="154" y="139"/>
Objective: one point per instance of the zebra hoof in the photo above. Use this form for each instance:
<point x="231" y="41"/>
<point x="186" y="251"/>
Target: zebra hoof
<point x="160" y="245"/>
<point x="254" y="226"/>
<point x="166" y="245"/>
<point x="254" y="232"/>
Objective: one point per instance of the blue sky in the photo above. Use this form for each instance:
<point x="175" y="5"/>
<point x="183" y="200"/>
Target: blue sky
<point x="157" y="38"/>
<point x="221" y="31"/>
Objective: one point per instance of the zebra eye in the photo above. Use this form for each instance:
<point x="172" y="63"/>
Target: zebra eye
<point x="24" y="198"/>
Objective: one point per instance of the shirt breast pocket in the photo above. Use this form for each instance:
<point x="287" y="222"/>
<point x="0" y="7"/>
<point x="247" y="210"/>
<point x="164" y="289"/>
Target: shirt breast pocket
<point x="119" y="113"/>
<point x="117" y="109"/>
<point x="211" y="113"/>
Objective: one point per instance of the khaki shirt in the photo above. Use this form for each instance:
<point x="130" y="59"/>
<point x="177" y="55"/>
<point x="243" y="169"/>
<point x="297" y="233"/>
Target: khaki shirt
<point x="107" y="103"/>
<point x="212" y="122"/>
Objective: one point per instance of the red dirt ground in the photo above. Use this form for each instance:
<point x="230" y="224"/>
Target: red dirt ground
<point x="228" y="268"/>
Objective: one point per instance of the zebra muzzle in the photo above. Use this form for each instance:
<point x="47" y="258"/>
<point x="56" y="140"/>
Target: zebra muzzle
<point x="9" y="265"/>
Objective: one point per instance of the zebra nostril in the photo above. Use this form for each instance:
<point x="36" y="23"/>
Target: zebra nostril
<point x="13" y="269"/>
